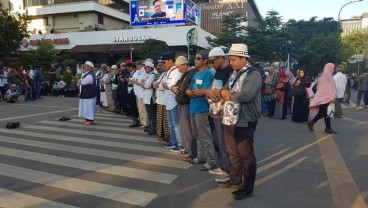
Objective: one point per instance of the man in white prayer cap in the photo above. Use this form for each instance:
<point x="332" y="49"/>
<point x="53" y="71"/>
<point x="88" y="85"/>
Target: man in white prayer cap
<point x="88" y="92"/>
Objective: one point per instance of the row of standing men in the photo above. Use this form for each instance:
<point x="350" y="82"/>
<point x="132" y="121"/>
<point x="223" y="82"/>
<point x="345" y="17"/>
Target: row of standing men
<point x="179" y="96"/>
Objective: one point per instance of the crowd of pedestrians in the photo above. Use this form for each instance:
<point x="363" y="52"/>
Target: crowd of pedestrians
<point x="31" y="83"/>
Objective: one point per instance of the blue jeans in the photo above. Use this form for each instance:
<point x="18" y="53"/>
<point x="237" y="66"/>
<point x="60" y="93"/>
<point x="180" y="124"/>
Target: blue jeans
<point x="38" y="89"/>
<point x="173" y="122"/>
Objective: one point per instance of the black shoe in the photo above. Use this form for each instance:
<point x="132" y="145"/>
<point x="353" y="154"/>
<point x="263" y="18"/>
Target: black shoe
<point x="152" y="133"/>
<point x="228" y="184"/>
<point x="310" y="125"/>
<point x="330" y="131"/>
<point x="147" y="130"/>
<point x="134" y="125"/>
<point x="241" y="194"/>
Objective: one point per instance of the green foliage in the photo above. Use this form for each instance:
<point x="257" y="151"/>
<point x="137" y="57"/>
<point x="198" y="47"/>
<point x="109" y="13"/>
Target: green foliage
<point x="318" y="51"/>
<point x="13" y="28"/>
<point x="232" y="32"/>
<point x="153" y="49"/>
<point x="43" y="56"/>
<point x="76" y="77"/>
<point x="357" y="41"/>
<point x="69" y="63"/>
<point x="264" y="40"/>
<point x="67" y="77"/>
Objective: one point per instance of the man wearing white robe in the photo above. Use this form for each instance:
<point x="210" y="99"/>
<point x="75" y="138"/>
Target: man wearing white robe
<point x="87" y="101"/>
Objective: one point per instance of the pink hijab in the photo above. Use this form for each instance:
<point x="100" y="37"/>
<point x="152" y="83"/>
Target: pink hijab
<point x="291" y="76"/>
<point x="326" y="88"/>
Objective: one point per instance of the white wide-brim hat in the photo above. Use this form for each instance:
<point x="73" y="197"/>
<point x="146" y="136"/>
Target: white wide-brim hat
<point x="238" y="49"/>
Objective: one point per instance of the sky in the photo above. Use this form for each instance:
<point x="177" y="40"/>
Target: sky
<point x="305" y="9"/>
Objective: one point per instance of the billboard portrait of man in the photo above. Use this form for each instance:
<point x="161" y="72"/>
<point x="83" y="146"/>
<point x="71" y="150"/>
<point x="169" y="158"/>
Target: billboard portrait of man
<point x="159" y="15"/>
<point x="153" y="12"/>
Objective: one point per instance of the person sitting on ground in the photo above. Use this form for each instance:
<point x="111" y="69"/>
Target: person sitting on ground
<point x="12" y="94"/>
<point x="72" y="89"/>
<point x="55" y="89"/>
<point x="61" y="88"/>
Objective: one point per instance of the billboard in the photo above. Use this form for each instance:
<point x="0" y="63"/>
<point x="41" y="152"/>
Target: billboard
<point x="193" y="13"/>
<point x="156" y="12"/>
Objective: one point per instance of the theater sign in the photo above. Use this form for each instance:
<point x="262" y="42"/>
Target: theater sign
<point x="213" y="12"/>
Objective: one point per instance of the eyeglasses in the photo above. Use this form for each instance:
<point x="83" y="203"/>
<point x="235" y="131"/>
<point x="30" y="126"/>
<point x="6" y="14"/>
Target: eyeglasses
<point x="213" y="61"/>
<point x="198" y="58"/>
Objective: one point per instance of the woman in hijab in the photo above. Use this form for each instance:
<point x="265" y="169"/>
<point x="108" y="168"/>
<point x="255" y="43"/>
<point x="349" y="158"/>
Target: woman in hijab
<point x="269" y="92"/>
<point x="281" y="98"/>
<point x="301" y="99"/>
<point x="326" y="93"/>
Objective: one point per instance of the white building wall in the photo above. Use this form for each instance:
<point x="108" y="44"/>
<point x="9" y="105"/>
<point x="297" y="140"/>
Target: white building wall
<point x="173" y="36"/>
<point x="66" y="22"/>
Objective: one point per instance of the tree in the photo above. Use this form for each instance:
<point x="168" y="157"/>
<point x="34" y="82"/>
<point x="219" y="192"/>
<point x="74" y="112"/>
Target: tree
<point x="318" y="51"/>
<point x="233" y="31"/>
<point x="13" y="28"/>
<point x="317" y="41"/>
<point x="357" y="41"/>
<point x="153" y="49"/>
<point x="264" y="40"/>
<point x="43" y="56"/>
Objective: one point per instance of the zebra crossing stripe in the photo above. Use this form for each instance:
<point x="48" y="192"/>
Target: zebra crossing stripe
<point x="113" y="115"/>
<point x="153" y="176"/>
<point x="55" y="137"/>
<point x="103" y="118"/>
<point x="93" y="133"/>
<point x="11" y="199"/>
<point x="100" y="125"/>
<point x="102" y="153"/>
<point x="119" y="194"/>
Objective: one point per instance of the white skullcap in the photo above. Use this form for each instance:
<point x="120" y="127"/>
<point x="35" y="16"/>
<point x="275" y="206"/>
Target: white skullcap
<point x="149" y="63"/>
<point x="89" y="64"/>
<point x="217" y="51"/>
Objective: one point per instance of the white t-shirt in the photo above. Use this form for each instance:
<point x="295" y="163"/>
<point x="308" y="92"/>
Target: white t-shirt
<point x="172" y="76"/>
<point x="148" y="91"/>
<point x="160" y="97"/>
<point x="340" y="80"/>
<point x="139" y="74"/>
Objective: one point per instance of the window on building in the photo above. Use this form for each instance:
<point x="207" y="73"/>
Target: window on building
<point x="45" y="21"/>
<point x="100" y="19"/>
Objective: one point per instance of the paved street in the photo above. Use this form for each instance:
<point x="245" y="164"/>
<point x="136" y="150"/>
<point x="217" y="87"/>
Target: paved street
<point x="50" y="163"/>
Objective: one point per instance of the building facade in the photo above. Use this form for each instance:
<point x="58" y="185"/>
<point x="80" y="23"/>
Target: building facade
<point x="63" y="16"/>
<point x="214" y="11"/>
<point x="354" y="23"/>
<point x="101" y="28"/>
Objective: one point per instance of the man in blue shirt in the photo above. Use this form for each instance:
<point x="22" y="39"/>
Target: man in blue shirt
<point x="198" y="109"/>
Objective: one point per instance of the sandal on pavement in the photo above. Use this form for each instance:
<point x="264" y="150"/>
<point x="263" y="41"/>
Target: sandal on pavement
<point x="12" y="125"/>
<point x="64" y="118"/>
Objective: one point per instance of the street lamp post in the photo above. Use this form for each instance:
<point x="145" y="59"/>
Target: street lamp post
<point x="131" y="53"/>
<point x="338" y="18"/>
